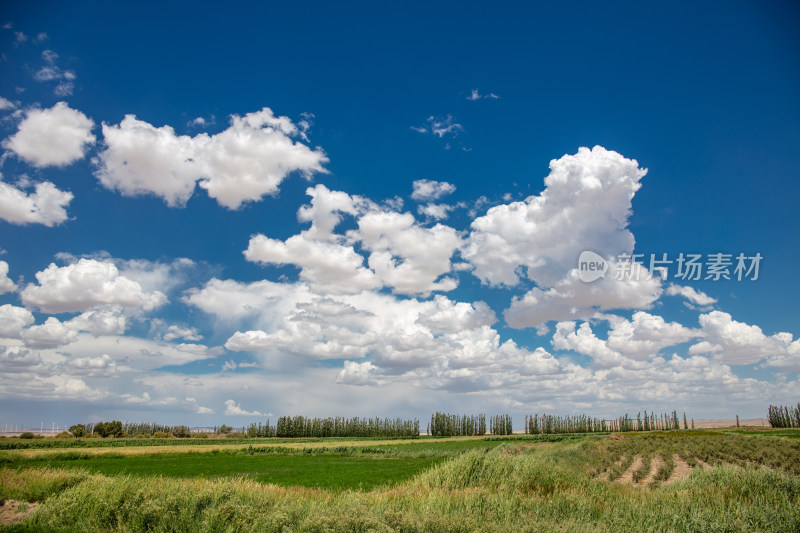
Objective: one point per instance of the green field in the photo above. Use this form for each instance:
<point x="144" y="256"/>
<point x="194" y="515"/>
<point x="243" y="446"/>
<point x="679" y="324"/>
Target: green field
<point x="324" y="471"/>
<point x="659" y="481"/>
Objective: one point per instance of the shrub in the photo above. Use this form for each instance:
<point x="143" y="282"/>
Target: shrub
<point x="182" y="432"/>
<point x="26" y="435"/>
<point x="160" y="435"/>
<point x="65" y="435"/>
<point x="108" y="429"/>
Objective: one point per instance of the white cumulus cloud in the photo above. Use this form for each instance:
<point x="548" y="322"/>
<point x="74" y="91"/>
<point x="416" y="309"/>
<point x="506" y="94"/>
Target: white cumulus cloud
<point x="406" y="256"/>
<point x="571" y="298"/>
<point x="232" y="408"/>
<point x="51" y="334"/>
<point x="52" y="137"/>
<point x="409" y="258"/>
<point x="240" y="164"/>
<point x="86" y="284"/>
<point x="585" y="206"/>
<point x="13" y="319"/>
<point x="6" y="285"/>
<point x="427" y="190"/>
<point x="738" y="343"/>
<point x="46" y="205"/>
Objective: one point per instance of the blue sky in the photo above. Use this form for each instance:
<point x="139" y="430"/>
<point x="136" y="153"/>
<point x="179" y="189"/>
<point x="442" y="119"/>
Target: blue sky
<point x="221" y="214"/>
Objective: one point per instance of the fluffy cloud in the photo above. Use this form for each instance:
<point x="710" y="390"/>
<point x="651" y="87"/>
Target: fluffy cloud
<point x="54" y="333"/>
<point x="52" y="137"/>
<point x="326" y="266"/>
<point x="435" y="211"/>
<point x="645" y="335"/>
<point x="629" y="342"/>
<point x="233" y="409"/>
<point x="51" y="334"/>
<point x="326" y="263"/>
<point x="46" y="205"/>
<point x="6" y="285"/>
<point x="102" y="365"/>
<point x="86" y="284"/>
<point x="358" y="374"/>
<point x="292" y="321"/>
<point x="571" y="298"/>
<point x="585" y="206"/>
<point x="326" y="209"/>
<point x="232" y="301"/>
<point x="13" y="319"/>
<point x="428" y="190"/>
<point x="177" y="332"/>
<point x="738" y="343"/>
<point x="584" y="341"/>
<point x="103" y="321"/>
<point x="240" y="164"/>
<point x="403" y="255"/>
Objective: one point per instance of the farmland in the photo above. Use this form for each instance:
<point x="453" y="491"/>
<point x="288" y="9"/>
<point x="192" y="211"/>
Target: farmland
<point x="711" y="480"/>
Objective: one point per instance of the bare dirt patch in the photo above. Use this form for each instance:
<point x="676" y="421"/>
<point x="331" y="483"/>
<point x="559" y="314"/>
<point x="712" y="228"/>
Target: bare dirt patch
<point x="10" y="511"/>
<point x="730" y="423"/>
<point x="627" y="476"/>
<point x="682" y="470"/>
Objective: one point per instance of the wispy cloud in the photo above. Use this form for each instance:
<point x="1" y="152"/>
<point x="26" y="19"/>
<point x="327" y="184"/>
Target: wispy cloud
<point x="440" y="127"/>
<point x="476" y="95"/>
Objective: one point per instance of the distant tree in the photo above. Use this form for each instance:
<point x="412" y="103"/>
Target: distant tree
<point x="26" y="435"/>
<point x="225" y="429"/>
<point x="182" y="432"/>
<point x="79" y="430"/>
<point x="109" y="429"/>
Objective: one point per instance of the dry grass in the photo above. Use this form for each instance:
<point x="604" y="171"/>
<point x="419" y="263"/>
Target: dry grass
<point x="198" y="448"/>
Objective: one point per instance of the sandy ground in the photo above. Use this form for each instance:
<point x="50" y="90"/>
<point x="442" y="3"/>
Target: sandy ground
<point x="726" y="423"/>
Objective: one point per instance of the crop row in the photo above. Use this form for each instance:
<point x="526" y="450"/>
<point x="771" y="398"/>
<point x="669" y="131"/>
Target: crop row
<point x="617" y="456"/>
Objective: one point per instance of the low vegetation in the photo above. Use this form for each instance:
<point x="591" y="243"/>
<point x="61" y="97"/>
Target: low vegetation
<point x="739" y="482"/>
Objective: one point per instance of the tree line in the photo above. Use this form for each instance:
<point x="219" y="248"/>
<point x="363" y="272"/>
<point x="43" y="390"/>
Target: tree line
<point x="550" y="424"/>
<point x="782" y="416"/>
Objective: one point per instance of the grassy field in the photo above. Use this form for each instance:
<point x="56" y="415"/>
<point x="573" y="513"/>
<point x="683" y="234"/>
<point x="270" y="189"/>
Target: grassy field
<point x="329" y="471"/>
<point x="659" y="481"/>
